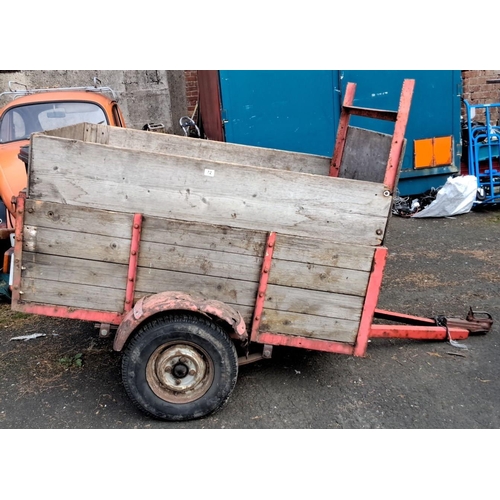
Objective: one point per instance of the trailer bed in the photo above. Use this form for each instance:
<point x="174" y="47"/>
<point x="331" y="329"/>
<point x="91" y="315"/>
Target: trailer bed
<point x="204" y="230"/>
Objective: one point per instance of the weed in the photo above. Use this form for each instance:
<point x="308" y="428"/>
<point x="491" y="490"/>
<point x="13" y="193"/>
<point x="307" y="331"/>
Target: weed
<point x="69" y="361"/>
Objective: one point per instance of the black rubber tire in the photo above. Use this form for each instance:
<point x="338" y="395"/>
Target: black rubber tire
<point x="161" y="343"/>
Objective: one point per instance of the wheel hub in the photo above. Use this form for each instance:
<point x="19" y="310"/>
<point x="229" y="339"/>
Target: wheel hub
<point x="179" y="373"/>
<point x="180" y="370"/>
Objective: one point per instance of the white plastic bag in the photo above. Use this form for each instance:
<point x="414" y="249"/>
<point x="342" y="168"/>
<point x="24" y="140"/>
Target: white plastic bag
<point x="456" y="197"/>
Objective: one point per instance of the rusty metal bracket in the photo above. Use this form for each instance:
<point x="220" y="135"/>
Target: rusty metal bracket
<point x="104" y="330"/>
<point x="267" y="352"/>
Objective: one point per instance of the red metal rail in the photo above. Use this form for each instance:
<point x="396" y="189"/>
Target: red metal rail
<point x="134" y="258"/>
<point x="264" y="279"/>
<point x="400" y="118"/>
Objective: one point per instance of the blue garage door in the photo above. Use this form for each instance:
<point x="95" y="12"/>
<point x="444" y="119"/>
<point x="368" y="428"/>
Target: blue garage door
<point x="288" y="110"/>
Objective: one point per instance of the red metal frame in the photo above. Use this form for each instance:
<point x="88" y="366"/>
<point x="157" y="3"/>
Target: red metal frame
<point x="417" y="332"/>
<point x="278" y="339"/>
<point x="417" y="328"/>
<point x="134" y="258"/>
<point x="398" y="137"/>
<point x="400" y="118"/>
<point x="264" y="279"/>
<point x="338" y="152"/>
<point x="371" y="299"/>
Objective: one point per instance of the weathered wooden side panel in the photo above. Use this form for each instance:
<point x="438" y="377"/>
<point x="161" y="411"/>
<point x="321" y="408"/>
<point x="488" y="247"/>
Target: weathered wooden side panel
<point x="122" y="180"/>
<point x="68" y="258"/>
<point x="207" y="210"/>
<point x="316" y="289"/>
<point x="196" y="148"/>
<point x="76" y="257"/>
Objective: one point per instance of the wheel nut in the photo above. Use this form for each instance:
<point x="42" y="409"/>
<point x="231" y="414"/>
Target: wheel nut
<point x="192" y="372"/>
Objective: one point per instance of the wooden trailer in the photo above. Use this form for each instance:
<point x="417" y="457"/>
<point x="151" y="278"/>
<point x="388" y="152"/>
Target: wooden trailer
<point x="204" y="255"/>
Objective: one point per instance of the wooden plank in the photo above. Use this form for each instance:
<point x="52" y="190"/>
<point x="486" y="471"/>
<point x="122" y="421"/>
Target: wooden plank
<point x="323" y="252"/>
<point x="75" y="271"/>
<point x="70" y="295"/>
<point x="199" y="261"/>
<point x="159" y="230"/>
<point x="75" y="132"/>
<point x="78" y="219"/>
<point x="219" y="151"/>
<point x="304" y="325"/>
<point x="87" y="132"/>
<point x="247" y="197"/>
<point x="366" y="154"/>
<point x="313" y="302"/>
<point x="317" y="277"/>
<point x="230" y="291"/>
<point x="75" y="244"/>
<point x="203" y="236"/>
<point x="196" y="148"/>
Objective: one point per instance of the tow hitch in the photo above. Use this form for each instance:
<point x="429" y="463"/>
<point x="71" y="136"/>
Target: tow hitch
<point x="482" y="324"/>
<point x="439" y="328"/>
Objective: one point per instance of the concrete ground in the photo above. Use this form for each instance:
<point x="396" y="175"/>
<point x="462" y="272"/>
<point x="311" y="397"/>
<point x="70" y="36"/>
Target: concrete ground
<point x="70" y="379"/>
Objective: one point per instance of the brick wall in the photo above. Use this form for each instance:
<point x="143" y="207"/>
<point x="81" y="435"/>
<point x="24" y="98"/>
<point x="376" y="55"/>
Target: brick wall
<point x="191" y="78"/>
<point x="476" y="90"/>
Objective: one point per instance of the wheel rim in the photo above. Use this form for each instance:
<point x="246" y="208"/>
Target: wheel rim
<point x="179" y="373"/>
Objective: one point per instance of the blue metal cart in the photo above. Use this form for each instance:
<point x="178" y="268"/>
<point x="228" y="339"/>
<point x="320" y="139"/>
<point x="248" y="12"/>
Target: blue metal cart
<point x="484" y="152"/>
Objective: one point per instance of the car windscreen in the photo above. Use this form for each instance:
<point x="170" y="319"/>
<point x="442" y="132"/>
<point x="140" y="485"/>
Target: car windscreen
<point x="20" y="122"/>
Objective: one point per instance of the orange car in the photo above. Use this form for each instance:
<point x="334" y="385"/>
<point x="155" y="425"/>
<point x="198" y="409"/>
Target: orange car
<point x="33" y="111"/>
<point x="38" y="110"/>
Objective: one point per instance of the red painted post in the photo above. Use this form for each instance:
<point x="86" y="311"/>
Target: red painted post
<point x="342" y="131"/>
<point x="18" y="247"/>
<point x="133" y="260"/>
<point x="371" y="299"/>
<point x="264" y="279"/>
<point x="399" y="135"/>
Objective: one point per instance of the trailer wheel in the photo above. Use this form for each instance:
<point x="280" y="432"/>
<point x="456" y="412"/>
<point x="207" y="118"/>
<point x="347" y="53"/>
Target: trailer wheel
<point x="180" y="367"/>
